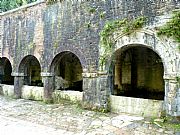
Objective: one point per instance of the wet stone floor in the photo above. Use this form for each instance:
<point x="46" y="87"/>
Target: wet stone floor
<point x="37" y="118"/>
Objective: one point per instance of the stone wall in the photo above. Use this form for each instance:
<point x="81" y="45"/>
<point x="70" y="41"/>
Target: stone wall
<point x="46" y="30"/>
<point x="137" y="106"/>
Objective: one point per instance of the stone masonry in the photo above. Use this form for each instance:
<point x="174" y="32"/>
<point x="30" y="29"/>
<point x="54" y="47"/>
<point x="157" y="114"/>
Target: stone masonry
<point x="44" y="31"/>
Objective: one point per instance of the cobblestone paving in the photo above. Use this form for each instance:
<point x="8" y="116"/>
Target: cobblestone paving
<point x="66" y="118"/>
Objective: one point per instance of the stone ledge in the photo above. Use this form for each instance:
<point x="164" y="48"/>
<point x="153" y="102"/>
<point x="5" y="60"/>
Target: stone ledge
<point x="95" y="74"/>
<point x="17" y="74"/>
<point x="102" y="73"/>
<point x="46" y="74"/>
<point x="90" y="75"/>
<point x="171" y="77"/>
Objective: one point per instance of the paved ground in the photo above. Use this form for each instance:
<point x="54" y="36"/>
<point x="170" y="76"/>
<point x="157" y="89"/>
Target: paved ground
<point x="25" y="117"/>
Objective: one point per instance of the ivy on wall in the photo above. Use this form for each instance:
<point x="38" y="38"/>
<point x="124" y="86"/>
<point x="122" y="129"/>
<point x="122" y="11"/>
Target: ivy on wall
<point x="50" y="2"/>
<point x="172" y="28"/>
<point x="115" y="29"/>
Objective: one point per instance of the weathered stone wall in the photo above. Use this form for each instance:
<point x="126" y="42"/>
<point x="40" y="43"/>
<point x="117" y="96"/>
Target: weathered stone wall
<point x="137" y="106"/>
<point x="47" y="30"/>
<point x="1" y="35"/>
<point x="20" y="34"/>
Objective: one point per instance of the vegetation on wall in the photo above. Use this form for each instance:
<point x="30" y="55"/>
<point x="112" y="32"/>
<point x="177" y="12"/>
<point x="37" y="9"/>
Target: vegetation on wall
<point x="172" y="28"/>
<point x="115" y="29"/>
<point x="6" y="5"/>
<point x="50" y="2"/>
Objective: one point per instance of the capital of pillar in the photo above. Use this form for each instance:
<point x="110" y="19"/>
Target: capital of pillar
<point x="171" y="77"/>
<point x="16" y="74"/>
<point x="46" y="74"/>
<point x="94" y="74"/>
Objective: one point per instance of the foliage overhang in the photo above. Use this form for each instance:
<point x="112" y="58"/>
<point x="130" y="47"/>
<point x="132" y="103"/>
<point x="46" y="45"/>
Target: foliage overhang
<point x="171" y="28"/>
<point x="113" y="30"/>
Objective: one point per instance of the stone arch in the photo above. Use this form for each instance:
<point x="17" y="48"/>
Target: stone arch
<point x="67" y="70"/>
<point x="31" y="69"/>
<point x="73" y="50"/>
<point x="165" y="48"/>
<point x="5" y="71"/>
<point x="168" y="52"/>
<point x="138" y="72"/>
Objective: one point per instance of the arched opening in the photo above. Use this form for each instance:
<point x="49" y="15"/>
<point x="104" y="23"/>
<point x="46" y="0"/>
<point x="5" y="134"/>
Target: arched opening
<point x="67" y="71"/>
<point x="5" y="71"/>
<point x="31" y="68"/>
<point x="138" y="72"/>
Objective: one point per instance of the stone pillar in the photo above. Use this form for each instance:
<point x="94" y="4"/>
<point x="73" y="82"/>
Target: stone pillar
<point x="96" y="91"/>
<point x="48" y="81"/>
<point x="18" y="83"/>
<point x="172" y="96"/>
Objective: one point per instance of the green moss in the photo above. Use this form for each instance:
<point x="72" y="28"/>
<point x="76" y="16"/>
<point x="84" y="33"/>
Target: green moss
<point x="50" y="2"/>
<point x="178" y="80"/>
<point x="115" y="29"/>
<point x="55" y="45"/>
<point x="31" y="97"/>
<point x="48" y="101"/>
<point x="167" y="122"/>
<point x="102" y="15"/>
<point x="31" y="45"/>
<point x="92" y="10"/>
<point x="168" y="125"/>
<point x="88" y="25"/>
<point x="171" y="28"/>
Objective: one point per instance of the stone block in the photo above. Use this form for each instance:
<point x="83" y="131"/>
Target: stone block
<point x="74" y="96"/>
<point x="8" y="90"/>
<point x="32" y="92"/>
<point x="137" y="106"/>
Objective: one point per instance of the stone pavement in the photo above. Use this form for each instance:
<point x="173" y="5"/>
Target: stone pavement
<point x="36" y="118"/>
<point x="12" y="126"/>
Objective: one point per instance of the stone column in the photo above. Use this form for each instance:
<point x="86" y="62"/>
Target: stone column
<point x="18" y="83"/>
<point x="48" y="81"/>
<point x="96" y="91"/>
<point x="172" y="96"/>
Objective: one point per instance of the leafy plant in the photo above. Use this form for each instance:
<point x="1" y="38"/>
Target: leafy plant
<point x="92" y="10"/>
<point x="115" y="29"/>
<point x="50" y="2"/>
<point x="102" y="15"/>
<point x="172" y="28"/>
